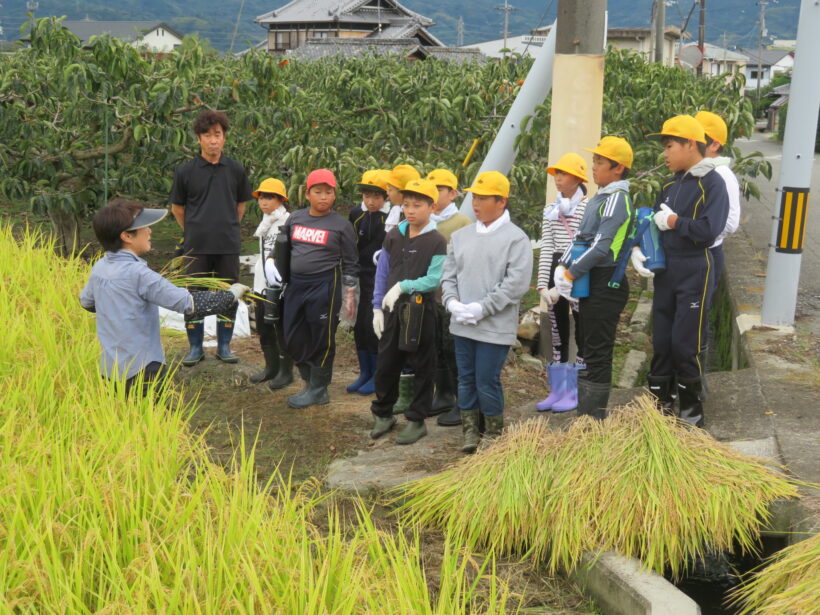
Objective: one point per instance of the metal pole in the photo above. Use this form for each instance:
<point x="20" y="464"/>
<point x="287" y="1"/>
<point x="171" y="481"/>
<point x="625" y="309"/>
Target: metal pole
<point x="660" y="27"/>
<point x="537" y="85"/>
<point x="789" y="228"/>
<point x="702" y="33"/>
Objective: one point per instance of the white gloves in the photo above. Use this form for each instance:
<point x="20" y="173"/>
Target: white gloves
<point x="463" y="314"/>
<point x="563" y="285"/>
<point x="239" y="290"/>
<point x="272" y="273"/>
<point x="475" y="311"/>
<point x="661" y="217"/>
<point x="391" y="297"/>
<point x="550" y="296"/>
<point x="378" y="322"/>
<point x="638" y="260"/>
<point x="376" y="257"/>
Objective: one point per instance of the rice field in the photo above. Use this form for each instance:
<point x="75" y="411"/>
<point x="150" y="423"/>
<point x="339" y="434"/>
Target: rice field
<point x="110" y="505"/>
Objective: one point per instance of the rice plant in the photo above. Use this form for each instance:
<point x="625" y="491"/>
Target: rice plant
<point x="111" y="505"/>
<point x="640" y="483"/>
<point x="787" y="584"/>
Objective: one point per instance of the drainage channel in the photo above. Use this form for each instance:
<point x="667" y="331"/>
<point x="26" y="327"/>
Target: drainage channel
<point x="712" y="579"/>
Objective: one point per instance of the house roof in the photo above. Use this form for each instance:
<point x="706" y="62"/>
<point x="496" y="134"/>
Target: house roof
<point x="317" y="48"/>
<point x="84" y="29"/>
<point x="713" y="52"/>
<point x="343" y="11"/>
<point x="768" y="57"/>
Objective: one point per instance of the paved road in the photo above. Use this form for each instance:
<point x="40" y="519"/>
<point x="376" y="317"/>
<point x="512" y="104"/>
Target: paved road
<point x="756" y="222"/>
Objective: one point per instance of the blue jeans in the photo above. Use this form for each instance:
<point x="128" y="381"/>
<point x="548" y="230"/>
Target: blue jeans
<point x="479" y="375"/>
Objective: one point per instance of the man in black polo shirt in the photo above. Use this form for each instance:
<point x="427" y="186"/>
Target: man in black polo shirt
<point x="208" y="201"/>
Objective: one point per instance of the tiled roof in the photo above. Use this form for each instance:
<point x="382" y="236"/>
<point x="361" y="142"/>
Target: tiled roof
<point x="314" y="49"/>
<point x="352" y="11"/>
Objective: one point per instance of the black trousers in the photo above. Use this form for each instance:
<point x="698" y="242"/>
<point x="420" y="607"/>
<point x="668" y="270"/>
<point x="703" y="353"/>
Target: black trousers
<point x="270" y="334"/>
<point x="310" y="316"/>
<point x="222" y="266"/>
<point x="559" y="321"/>
<point x="392" y="360"/>
<point x="363" y="333"/>
<point x="445" y="347"/>
<point x="600" y="313"/>
<point x="154" y="372"/>
<point x="679" y="315"/>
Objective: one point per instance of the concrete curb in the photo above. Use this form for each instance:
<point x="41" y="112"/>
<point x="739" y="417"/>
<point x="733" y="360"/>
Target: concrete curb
<point x="619" y="586"/>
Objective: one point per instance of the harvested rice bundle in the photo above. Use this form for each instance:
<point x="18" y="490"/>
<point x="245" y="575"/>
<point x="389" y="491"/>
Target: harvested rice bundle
<point x="788" y="584"/>
<point x="640" y="483"/>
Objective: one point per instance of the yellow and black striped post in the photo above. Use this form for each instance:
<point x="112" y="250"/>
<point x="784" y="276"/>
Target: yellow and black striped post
<point x="791" y="229"/>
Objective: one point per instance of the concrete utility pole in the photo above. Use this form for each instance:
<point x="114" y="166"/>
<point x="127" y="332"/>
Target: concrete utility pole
<point x="763" y="32"/>
<point x="660" y="27"/>
<point x="507" y="9"/>
<point x="789" y="229"/>
<point x="578" y="80"/>
<point x="460" y="32"/>
<point x="702" y="33"/>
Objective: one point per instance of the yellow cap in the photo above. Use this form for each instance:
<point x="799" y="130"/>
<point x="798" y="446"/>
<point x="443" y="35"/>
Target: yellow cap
<point x="490" y="183"/>
<point x="375" y="178"/>
<point x="271" y="185"/>
<point x="713" y="126"/>
<point x="402" y="174"/>
<point x="614" y="148"/>
<point x="443" y="177"/>
<point x="682" y="126"/>
<point x="571" y="163"/>
<point x="422" y="186"/>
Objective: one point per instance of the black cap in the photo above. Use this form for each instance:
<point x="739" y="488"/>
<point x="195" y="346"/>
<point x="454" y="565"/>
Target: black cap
<point x="147" y="217"/>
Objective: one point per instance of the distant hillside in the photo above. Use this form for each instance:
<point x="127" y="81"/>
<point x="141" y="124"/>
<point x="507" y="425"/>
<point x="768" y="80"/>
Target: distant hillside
<point x="215" y="19"/>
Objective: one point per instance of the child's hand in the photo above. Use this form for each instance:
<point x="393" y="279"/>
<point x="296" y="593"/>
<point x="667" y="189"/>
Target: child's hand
<point x="562" y="283"/>
<point x="239" y="290"/>
<point x="638" y="260"/>
<point x="378" y="322"/>
<point x="665" y="219"/>
<point x="550" y="296"/>
<point x="391" y="297"/>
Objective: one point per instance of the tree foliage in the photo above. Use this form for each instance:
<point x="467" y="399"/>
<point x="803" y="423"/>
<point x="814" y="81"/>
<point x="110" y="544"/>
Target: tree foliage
<point x="77" y="124"/>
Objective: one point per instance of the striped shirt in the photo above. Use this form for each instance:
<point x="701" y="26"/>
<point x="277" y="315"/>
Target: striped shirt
<point x="555" y="240"/>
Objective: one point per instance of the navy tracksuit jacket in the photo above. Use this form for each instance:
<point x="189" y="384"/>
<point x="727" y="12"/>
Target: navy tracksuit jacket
<point x="682" y="292"/>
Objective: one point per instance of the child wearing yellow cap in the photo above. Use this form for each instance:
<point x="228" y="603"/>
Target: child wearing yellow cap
<point x="601" y="234"/>
<point x="691" y="212"/>
<point x="558" y="228"/>
<point x="271" y="196"/>
<point x="448" y="220"/>
<point x="407" y="278"/>
<point x="487" y="271"/>
<point x="368" y="224"/>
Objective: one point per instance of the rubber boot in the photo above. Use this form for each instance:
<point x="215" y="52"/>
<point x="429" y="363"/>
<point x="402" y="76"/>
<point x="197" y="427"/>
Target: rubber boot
<point x="557" y="379"/>
<point x="444" y="398"/>
<point x="224" y="333"/>
<point x="271" y="355"/>
<point x="369" y="387"/>
<point x="407" y="389"/>
<point x="412" y="432"/>
<point x="364" y="372"/>
<point x="593" y="398"/>
<point x="661" y="388"/>
<point x="569" y="401"/>
<point x="469" y="427"/>
<point x="451" y="418"/>
<point x="382" y="426"/>
<point x="285" y="374"/>
<point x="690" y="398"/>
<point x="304" y="373"/>
<point x="196" y="334"/>
<point x="315" y="393"/>
<point x="493" y="425"/>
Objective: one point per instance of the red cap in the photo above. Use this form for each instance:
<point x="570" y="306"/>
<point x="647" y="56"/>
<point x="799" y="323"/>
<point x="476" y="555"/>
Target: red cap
<point x="321" y="176"/>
